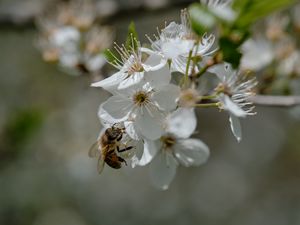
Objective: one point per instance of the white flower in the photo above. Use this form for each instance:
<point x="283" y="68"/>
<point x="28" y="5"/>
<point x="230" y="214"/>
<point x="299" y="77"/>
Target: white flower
<point x="143" y="104"/>
<point x="257" y="54"/>
<point x="176" y="41"/>
<point x="80" y="13"/>
<point x="69" y="38"/>
<point x="96" y="40"/>
<point x="234" y="92"/>
<point x="65" y="37"/>
<point x="290" y="64"/>
<point x="221" y="8"/>
<point x="133" y="70"/>
<point x="174" y="148"/>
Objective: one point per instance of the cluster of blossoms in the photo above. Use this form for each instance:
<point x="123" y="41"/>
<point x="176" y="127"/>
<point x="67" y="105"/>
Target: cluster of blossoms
<point x="274" y="52"/>
<point x="70" y="38"/>
<point x="157" y="111"/>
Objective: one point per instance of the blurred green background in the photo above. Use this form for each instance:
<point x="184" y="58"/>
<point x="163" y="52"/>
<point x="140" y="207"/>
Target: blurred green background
<point x="48" y="120"/>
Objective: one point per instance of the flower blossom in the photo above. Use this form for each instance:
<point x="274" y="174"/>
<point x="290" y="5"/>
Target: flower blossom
<point x="144" y="105"/>
<point x="234" y="92"/>
<point x="133" y="69"/>
<point x="221" y="8"/>
<point x="176" y="41"/>
<point x="69" y="37"/>
<point x="174" y="148"/>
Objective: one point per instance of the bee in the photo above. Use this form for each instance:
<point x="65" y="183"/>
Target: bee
<point x="106" y="148"/>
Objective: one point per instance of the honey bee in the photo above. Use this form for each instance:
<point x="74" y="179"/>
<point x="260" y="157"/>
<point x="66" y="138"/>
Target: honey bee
<point x="106" y="148"/>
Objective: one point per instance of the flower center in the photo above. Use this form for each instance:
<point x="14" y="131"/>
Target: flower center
<point x="135" y="67"/>
<point x="168" y="142"/>
<point x="223" y="88"/>
<point x="188" y="98"/>
<point x="141" y="98"/>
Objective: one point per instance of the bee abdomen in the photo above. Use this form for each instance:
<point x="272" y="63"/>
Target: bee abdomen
<point x="113" y="161"/>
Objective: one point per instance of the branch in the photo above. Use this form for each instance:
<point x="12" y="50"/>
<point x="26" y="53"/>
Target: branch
<point x="276" y="101"/>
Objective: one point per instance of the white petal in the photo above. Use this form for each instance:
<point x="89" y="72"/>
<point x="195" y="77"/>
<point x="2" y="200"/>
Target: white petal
<point x="105" y="118"/>
<point x="182" y="123"/>
<point x="64" y="36"/>
<point x="154" y="62"/>
<point x="223" y="71"/>
<point x="139" y="151"/>
<point x="132" y="130"/>
<point x="191" y="152"/>
<point x="150" y="150"/>
<point x="150" y="123"/>
<point x="159" y="77"/>
<point x="69" y="59"/>
<point x="110" y="82"/>
<point x="225" y="13"/>
<point x="176" y="47"/>
<point x="166" y="98"/>
<point x="131" y="80"/>
<point x="232" y="107"/>
<point x="257" y="54"/>
<point x="205" y="47"/>
<point x="179" y="64"/>
<point x="163" y="170"/>
<point x="96" y="63"/>
<point x="148" y="51"/>
<point x="235" y="126"/>
<point x="117" y="107"/>
<point x="171" y="31"/>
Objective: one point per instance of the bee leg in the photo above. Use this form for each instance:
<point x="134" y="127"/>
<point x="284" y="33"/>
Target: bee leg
<point x="122" y="160"/>
<point x="124" y="149"/>
<point x="119" y="138"/>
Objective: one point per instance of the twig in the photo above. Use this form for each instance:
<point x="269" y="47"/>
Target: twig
<point x="276" y="101"/>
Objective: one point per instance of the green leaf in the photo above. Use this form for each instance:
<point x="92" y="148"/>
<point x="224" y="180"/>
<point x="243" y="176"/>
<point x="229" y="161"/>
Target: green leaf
<point x="132" y="38"/>
<point x="111" y="56"/>
<point x="252" y="10"/>
<point x="230" y="51"/>
<point x="202" y="20"/>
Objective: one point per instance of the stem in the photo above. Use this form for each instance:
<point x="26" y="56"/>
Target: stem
<point x="207" y="97"/>
<point x="186" y="77"/>
<point x="279" y="101"/>
<point x="205" y="68"/>
<point x="208" y="105"/>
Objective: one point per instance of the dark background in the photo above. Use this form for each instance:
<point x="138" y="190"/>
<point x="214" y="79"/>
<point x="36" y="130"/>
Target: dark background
<point x="48" y="122"/>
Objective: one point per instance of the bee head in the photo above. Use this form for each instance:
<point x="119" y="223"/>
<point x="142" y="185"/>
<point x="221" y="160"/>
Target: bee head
<point x="114" y="133"/>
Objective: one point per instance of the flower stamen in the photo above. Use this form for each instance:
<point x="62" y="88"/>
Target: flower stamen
<point x="141" y="98"/>
<point x="168" y="142"/>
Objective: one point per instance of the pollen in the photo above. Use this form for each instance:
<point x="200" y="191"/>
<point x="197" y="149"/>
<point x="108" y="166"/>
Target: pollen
<point x="224" y="88"/>
<point x="168" y="142"/>
<point x="188" y="98"/>
<point x="135" y="67"/>
<point x="141" y="98"/>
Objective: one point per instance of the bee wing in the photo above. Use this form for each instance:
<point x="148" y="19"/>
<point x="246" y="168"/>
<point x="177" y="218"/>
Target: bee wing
<point x="94" y="150"/>
<point x="100" y="164"/>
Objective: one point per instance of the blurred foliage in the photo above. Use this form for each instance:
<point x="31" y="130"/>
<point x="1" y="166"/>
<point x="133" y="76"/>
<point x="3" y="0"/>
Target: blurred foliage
<point x="250" y="11"/>
<point x="132" y="37"/>
<point x="233" y="33"/>
<point x="202" y="19"/>
<point x="17" y="131"/>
